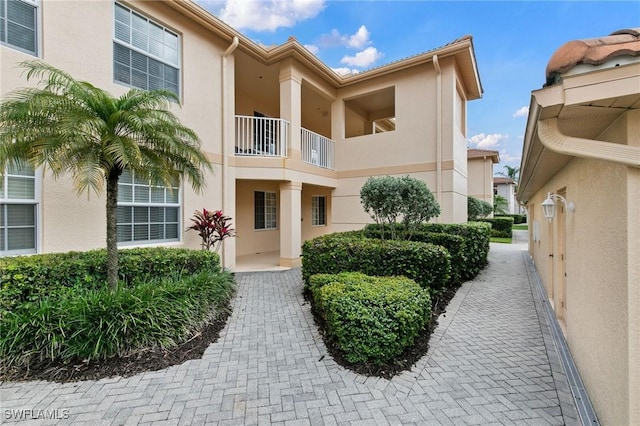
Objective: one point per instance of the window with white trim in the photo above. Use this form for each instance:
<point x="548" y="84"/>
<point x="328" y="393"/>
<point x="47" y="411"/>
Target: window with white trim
<point x="19" y="25"/>
<point x="147" y="213"/>
<point x="18" y="211"/>
<point x="145" y="54"/>
<point x="318" y="210"/>
<point x="265" y="216"/>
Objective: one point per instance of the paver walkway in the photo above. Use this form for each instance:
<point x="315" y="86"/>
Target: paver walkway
<point x="491" y="362"/>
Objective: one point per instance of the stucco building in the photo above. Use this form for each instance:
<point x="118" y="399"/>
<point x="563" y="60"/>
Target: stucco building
<point x="291" y="141"/>
<point x="480" y="173"/>
<point x="582" y="143"/>
<point x="506" y="188"/>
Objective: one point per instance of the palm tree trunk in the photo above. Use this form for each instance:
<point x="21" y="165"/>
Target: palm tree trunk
<point x="112" y="239"/>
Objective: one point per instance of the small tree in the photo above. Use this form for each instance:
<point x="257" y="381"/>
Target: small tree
<point x="500" y="204"/>
<point x="213" y="227"/>
<point x="71" y="126"/>
<point x="386" y="199"/>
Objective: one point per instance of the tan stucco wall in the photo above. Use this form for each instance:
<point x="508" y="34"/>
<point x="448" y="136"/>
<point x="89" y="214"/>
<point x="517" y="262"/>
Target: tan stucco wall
<point x="480" y="179"/>
<point x="602" y="322"/>
<point x="250" y="240"/>
<point x="77" y="37"/>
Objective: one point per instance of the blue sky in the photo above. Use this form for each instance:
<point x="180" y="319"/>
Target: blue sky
<point x="513" y="42"/>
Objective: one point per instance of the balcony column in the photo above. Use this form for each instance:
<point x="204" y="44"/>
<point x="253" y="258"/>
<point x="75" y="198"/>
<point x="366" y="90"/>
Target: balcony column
<point x="290" y="224"/>
<point x="291" y="108"/>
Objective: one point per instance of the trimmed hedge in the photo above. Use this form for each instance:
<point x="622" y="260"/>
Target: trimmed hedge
<point x="371" y="319"/>
<point x="500" y="226"/>
<point x="79" y="324"/>
<point x="428" y="264"/>
<point x="29" y="278"/>
<point x="476" y="236"/>
<point x="454" y="244"/>
<point x="517" y="218"/>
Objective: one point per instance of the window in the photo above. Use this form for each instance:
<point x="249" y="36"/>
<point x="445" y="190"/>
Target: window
<point x="18" y="211"/>
<point x="18" y="25"/>
<point x="265" y="210"/>
<point x="147" y="213"/>
<point x="318" y="211"/>
<point x="145" y="54"/>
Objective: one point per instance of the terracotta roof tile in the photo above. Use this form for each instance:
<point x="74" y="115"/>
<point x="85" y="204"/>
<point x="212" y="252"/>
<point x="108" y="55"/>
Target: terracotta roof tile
<point x="482" y="153"/>
<point x="501" y="179"/>
<point x="593" y="51"/>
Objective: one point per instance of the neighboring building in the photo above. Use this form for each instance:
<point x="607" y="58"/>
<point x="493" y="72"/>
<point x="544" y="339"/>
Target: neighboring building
<point x="292" y="142"/>
<point x="583" y="142"/>
<point x="480" y="173"/>
<point x="506" y="187"/>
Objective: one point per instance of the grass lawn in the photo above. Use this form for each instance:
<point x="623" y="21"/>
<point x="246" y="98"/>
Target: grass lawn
<point x="521" y="227"/>
<point x="501" y="240"/>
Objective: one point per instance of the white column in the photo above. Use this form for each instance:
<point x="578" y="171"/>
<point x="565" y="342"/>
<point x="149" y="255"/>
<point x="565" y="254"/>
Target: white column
<point x="291" y="107"/>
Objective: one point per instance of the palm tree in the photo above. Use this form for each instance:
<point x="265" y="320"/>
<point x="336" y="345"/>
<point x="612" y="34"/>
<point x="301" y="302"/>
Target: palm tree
<point x="500" y="204"/>
<point x="68" y="125"/>
<point x="513" y="173"/>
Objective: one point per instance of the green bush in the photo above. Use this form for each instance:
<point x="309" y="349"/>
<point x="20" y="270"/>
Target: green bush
<point x="500" y="226"/>
<point x="517" y="218"/>
<point x="477" y="208"/>
<point x="29" y="278"/>
<point x="476" y="236"/>
<point x="454" y="244"/>
<point x="77" y="324"/>
<point x="371" y="319"/>
<point x="428" y="264"/>
<point x="388" y="198"/>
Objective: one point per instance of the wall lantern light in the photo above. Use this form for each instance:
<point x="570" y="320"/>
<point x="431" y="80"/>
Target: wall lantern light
<point x="549" y="205"/>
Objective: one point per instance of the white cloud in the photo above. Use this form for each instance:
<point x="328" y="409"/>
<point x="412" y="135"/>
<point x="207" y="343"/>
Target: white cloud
<point x="260" y="15"/>
<point x="312" y="48"/>
<point x="505" y="156"/>
<point x="360" y="39"/>
<point x="364" y="58"/>
<point x="487" y="141"/>
<point x="522" y="112"/>
<point x="345" y="71"/>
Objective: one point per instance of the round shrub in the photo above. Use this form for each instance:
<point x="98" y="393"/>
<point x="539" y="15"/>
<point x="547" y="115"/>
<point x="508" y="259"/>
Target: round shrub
<point x="371" y="319"/>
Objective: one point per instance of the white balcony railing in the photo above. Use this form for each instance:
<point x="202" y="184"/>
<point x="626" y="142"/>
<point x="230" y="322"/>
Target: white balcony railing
<point x="317" y="150"/>
<point x="261" y="136"/>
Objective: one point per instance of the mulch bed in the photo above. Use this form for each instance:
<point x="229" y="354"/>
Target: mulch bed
<point x="158" y="359"/>
<point x="148" y="360"/>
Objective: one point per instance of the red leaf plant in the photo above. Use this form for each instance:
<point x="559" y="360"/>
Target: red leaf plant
<point x="212" y="226"/>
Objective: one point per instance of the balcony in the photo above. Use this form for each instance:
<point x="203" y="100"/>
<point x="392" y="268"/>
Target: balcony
<point x="316" y="149"/>
<point x="261" y="136"/>
<point x="268" y="137"/>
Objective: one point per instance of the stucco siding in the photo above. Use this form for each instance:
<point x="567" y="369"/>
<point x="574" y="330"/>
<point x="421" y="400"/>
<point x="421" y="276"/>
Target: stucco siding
<point x="249" y="240"/>
<point x="596" y="321"/>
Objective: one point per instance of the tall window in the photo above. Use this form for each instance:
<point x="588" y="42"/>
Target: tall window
<point x="19" y="25"/>
<point x="147" y="213"/>
<point x="145" y="54"/>
<point x="318" y="210"/>
<point x="265" y="210"/>
<point x="18" y="211"/>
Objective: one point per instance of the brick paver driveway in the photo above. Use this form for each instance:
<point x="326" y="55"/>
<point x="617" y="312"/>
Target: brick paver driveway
<point x="491" y="361"/>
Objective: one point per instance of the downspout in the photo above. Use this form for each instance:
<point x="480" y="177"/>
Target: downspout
<point x="556" y="141"/>
<point x="225" y="161"/>
<point x="436" y="65"/>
